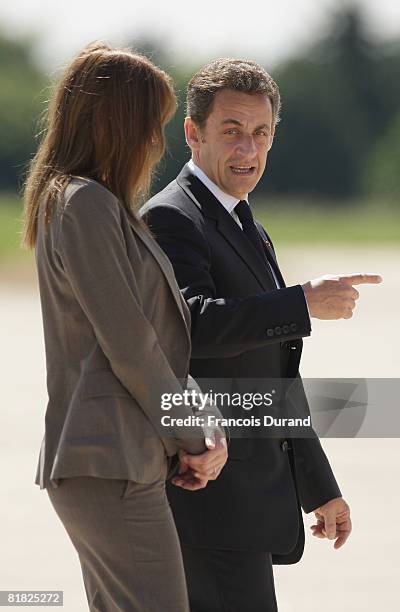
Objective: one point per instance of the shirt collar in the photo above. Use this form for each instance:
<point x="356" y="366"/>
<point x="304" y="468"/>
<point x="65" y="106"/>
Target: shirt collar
<point x="229" y="202"/>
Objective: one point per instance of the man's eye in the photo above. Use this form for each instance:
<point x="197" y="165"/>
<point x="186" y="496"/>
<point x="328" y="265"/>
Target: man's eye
<point x="261" y="133"/>
<point x="232" y="131"/>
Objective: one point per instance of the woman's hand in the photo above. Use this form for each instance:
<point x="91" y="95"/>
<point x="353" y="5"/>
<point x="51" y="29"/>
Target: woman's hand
<point x="196" y="470"/>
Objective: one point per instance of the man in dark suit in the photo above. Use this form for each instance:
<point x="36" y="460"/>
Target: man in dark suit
<point x="245" y="324"/>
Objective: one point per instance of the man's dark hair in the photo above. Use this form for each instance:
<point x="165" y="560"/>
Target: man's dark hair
<point x="226" y="73"/>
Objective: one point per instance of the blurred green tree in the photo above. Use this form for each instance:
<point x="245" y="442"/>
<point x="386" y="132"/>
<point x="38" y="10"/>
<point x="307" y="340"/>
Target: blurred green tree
<point x="337" y="100"/>
<point x="21" y="101"/>
<point x="382" y="174"/>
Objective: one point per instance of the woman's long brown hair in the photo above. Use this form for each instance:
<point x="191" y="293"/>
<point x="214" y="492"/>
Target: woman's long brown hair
<point x="105" y="121"/>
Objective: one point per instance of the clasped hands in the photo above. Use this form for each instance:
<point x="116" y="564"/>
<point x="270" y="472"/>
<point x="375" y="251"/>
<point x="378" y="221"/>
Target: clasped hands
<point x="196" y="470"/>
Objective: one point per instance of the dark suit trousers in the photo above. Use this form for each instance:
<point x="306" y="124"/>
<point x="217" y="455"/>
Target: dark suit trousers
<point x="229" y="580"/>
<point x="127" y="544"/>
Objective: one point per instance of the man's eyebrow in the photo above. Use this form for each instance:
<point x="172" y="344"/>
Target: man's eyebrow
<point x="263" y="126"/>
<point x="234" y="121"/>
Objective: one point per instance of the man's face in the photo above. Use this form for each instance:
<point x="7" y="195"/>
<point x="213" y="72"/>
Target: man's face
<point x="233" y="146"/>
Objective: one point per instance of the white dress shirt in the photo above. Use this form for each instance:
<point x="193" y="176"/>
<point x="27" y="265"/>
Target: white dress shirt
<point x="228" y="201"/>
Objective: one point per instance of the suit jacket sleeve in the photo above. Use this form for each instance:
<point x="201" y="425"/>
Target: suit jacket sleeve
<point x="315" y="480"/>
<point x="92" y="251"/>
<point x="222" y="327"/>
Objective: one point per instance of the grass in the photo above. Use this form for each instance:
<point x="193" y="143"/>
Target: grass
<point x="327" y="223"/>
<point x="286" y="222"/>
<point x="11" y="227"/>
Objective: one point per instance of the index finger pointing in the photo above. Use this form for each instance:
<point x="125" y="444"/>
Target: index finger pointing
<point x="363" y="279"/>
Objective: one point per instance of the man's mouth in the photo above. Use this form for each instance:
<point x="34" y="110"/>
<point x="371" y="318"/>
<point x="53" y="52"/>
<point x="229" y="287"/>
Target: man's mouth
<point x="243" y="170"/>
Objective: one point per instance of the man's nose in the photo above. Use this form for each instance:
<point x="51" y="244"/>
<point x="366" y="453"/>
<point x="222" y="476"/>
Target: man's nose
<point x="247" y="146"/>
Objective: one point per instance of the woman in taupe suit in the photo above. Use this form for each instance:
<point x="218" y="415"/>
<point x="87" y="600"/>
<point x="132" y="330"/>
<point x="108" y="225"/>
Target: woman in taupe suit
<point x="116" y="333"/>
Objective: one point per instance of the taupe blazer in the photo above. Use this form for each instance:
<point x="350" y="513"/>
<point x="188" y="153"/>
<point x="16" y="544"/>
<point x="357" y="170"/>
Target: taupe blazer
<point x="117" y="336"/>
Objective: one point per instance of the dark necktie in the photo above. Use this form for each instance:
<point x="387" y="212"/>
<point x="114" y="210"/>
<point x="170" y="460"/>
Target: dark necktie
<point x="243" y="211"/>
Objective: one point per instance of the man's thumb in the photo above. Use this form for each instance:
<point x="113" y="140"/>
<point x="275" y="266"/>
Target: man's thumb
<point x="330" y="526"/>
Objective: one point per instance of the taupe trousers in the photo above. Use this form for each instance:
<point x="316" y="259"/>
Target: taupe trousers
<point x="127" y="544"/>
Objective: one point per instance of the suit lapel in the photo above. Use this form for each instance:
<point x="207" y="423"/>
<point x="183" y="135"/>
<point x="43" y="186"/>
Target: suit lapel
<point x="166" y="268"/>
<point x="226" y="225"/>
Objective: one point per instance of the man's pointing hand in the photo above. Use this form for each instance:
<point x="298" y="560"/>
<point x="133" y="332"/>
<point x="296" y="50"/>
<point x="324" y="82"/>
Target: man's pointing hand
<point x="334" y="297"/>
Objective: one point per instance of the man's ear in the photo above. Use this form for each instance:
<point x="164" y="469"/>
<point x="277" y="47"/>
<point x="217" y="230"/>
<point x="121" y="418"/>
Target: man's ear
<point x="192" y="134"/>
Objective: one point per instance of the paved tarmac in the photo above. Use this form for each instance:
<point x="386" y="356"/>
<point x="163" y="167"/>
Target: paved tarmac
<point x="363" y="576"/>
